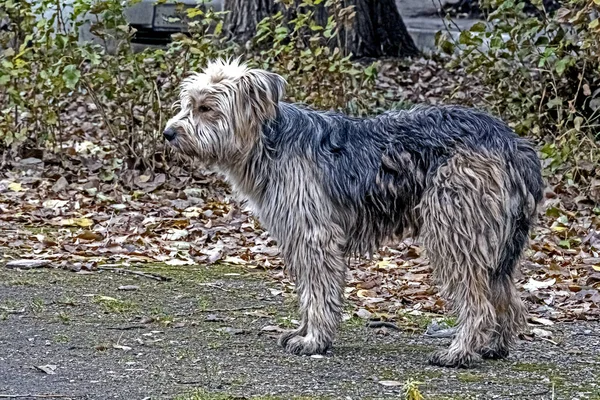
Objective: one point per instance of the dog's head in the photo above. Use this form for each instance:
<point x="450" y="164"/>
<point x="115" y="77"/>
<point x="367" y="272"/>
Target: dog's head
<point x="222" y="109"/>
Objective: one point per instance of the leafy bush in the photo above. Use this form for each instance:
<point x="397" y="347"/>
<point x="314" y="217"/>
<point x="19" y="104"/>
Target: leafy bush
<point x="300" y="49"/>
<point x="48" y="69"/>
<point x="45" y="70"/>
<point x="541" y="73"/>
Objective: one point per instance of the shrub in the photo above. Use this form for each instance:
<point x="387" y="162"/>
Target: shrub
<point x="49" y="69"/>
<point x="541" y="73"/>
<point x="293" y="44"/>
<point x="45" y="70"/>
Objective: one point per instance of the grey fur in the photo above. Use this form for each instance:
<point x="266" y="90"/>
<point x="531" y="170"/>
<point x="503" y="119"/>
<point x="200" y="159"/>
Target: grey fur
<point x="328" y="187"/>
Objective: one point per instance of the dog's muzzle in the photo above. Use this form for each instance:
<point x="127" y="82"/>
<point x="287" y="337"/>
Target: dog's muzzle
<point x="170" y="134"/>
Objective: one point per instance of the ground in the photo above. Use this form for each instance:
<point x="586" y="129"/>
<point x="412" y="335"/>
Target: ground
<point x="92" y="216"/>
<point x="156" y="287"/>
<point x="210" y="333"/>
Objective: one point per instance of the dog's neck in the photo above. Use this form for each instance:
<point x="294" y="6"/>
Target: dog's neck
<point x="247" y="175"/>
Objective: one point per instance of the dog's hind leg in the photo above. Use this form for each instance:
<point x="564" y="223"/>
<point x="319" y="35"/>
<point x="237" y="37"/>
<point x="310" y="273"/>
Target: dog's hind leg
<point x="319" y="269"/>
<point x="510" y="310"/>
<point x="464" y="212"/>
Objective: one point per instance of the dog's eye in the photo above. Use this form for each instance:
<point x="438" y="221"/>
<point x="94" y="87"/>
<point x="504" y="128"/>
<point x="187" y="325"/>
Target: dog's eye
<point x="203" y="109"/>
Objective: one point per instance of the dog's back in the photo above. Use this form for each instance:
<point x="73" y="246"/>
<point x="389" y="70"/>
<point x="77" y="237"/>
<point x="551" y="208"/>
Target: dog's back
<point x="377" y="170"/>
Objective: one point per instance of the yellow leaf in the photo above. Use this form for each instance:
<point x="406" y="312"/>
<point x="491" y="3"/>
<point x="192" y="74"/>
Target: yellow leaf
<point x="106" y="298"/>
<point x="363" y="293"/>
<point x="82" y="222"/>
<point x="15" y="187"/>
<point x="596" y="267"/>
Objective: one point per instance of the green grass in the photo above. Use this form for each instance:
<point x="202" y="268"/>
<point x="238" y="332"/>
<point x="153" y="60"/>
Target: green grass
<point x="201" y="394"/>
<point x="467" y="377"/>
<point x="114" y="305"/>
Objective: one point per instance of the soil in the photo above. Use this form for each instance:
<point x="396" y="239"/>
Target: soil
<point x="201" y="336"/>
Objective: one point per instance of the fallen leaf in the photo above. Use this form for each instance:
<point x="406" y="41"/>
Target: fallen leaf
<point x="54" y="203"/>
<point x="272" y="328"/>
<point x="15" y="187"/>
<point x="542" y="321"/>
<point x="81" y="222"/>
<point x="363" y="313"/>
<point x="48" y="369"/>
<point x="89" y="235"/>
<point x="60" y="185"/>
<point x="121" y="347"/>
<point x="129" y="287"/>
<point x="363" y="293"/>
<point x="27" y="264"/>
<point x="541" y="333"/>
<point x="390" y="383"/>
<point x="178" y="262"/>
<point x="231" y="331"/>
<point x="533" y="284"/>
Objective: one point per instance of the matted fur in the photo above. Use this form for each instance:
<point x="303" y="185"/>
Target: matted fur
<point x="328" y="187"/>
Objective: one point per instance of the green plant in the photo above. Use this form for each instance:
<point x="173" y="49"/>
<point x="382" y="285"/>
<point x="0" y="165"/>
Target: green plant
<point x="46" y="73"/>
<point x="541" y="73"/>
<point x="114" y="305"/>
<point x="309" y="56"/>
<point x="411" y="390"/>
<point x="45" y="69"/>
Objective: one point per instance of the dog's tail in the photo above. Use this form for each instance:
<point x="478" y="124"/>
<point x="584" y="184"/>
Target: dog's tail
<point x="525" y="173"/>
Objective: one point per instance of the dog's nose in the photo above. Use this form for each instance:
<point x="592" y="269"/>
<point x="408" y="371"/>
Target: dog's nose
<point x="170" y="134"/>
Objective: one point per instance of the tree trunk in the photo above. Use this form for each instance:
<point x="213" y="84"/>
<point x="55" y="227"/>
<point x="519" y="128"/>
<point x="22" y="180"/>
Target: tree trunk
<point x="377" y="28"/>
<point x="244" y="16"/>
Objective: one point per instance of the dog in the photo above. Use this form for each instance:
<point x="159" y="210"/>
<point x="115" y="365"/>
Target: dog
<point x="328" y="186"/>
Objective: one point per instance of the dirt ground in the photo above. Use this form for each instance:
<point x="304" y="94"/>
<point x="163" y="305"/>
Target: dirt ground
<point x="201" y="335"/>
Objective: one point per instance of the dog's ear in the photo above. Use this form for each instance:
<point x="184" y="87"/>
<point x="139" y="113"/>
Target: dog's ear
<point x="265" y="90"/>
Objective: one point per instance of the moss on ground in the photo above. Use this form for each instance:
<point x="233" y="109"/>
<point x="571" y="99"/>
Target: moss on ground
<point x="201" y="394"/>
<point x="533" y="367"/>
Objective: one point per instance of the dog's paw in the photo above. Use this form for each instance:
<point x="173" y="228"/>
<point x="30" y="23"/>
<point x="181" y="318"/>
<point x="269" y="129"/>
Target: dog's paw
<point x="446" y="358"/>
<point x="294" y="342"/>
<point x="492" y="353"/>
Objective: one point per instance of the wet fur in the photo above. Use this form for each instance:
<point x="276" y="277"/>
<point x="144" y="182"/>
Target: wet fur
<point x="328" y="187"/>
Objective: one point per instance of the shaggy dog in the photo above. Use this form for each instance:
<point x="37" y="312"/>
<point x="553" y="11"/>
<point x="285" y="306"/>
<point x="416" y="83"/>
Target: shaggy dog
<point x="328" y="186"/>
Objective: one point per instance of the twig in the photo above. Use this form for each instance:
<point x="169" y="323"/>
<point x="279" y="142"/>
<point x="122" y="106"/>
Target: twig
<point x="382" y="324"/>
<point x="521" y="395"/>
<point x="180" y="382"/>
<point x="138" y="273"/>
<point x="12" y="311"/>
<point x="126" y="327"/>
<point x="232" y="309"/>
<point x="39" y="396"/>
<point x="580" y="81"/>
<point x="213" y="285"/>
<point x="549" y="341"/>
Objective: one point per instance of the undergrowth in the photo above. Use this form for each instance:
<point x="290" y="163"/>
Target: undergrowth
<point x="541" y="73"/>
<point x="45" y="68"/>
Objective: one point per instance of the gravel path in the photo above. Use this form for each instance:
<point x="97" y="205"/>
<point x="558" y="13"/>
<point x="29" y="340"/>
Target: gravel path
<point x="201" y="336"/>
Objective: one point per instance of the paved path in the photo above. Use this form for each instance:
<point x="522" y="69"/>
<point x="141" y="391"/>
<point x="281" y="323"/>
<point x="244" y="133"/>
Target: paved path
<point x="201" y="336"/>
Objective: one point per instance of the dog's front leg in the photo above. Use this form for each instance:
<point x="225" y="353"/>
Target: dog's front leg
<point x="317" y="264"/>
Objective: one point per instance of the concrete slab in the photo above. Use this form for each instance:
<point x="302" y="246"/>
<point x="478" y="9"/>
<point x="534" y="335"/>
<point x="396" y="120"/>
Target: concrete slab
<point x="424" y="29"/>
<point x="420" y="8"/>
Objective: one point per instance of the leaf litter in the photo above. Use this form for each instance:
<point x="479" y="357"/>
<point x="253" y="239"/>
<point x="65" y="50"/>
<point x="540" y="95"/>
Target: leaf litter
<point x="78" y="210"/>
